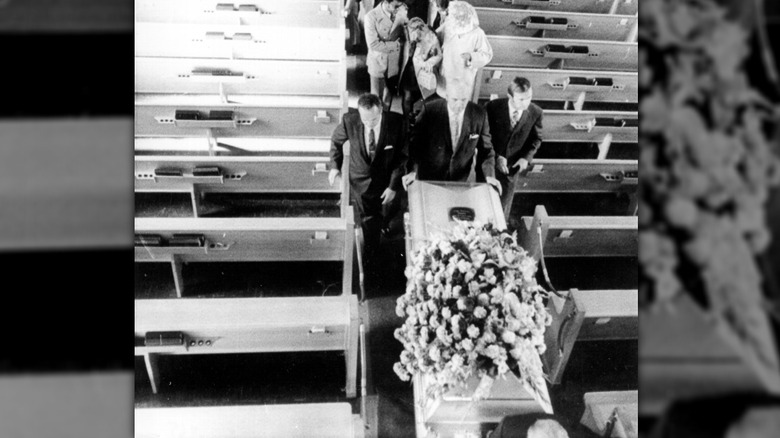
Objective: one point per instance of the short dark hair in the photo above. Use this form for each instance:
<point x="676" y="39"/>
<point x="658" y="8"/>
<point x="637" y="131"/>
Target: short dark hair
<point x="443" y="3"/>
<point x="368" y="101"/>
<point x="518" y="84"/>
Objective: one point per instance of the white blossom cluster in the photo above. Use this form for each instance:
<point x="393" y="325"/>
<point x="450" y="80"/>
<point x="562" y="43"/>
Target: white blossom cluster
<point x="472" y="307"/>
<point x="706" y="166"/>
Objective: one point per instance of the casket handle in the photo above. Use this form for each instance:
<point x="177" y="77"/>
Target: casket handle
<point x="562" y="329"/>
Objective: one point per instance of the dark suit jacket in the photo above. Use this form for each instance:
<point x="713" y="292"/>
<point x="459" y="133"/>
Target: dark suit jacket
<point x="521" y="142"/>
<point x="430" y="149"/>
<point x="368" y="179"/>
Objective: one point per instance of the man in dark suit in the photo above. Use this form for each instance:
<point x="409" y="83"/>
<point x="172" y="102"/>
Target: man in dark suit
<point x="377" y="159"/>
<point x="451" y="141"/>
<point x="516" y="126"/>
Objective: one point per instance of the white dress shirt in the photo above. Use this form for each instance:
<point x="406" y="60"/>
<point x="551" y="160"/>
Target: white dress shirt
<point x="512" y="110"/>
<point x="456" y="125"/>
<point x="376" y="129"/>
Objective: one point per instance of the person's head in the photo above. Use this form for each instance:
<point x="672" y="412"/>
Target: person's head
<point x="392" y="5"/>
<point x="417" y="28"/>
<point x="461" y="18"/>
<point x="458" y="96"/>
<point x="370" y="109"/>
<point x="520" y="93"/>
<point x="547" y="428"/>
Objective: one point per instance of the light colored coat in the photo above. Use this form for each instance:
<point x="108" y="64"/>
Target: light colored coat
<point x="384" y="55"/>
<point x="428" y="53"/>
<point x="453" y="66"/>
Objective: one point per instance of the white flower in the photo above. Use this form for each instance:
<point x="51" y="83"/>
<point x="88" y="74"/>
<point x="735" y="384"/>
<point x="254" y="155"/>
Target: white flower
<point x="488" y="337"/>
<point x="508" y="337"/>
<point x="401" y="372"/>
<point x="434" y="322"/>
<point x="502" y="367"/>
<point x="473" y="331"/>
<point x="483" y="299"/>
<point x="492" y="351"/>
<point x="480" y="312"/>
<point x="456" y="291"/>
<point x="434" y="353"/>
<point x="512" y="324"/>
<point x="456" y="361"/>
<point x="441" y="335"/>
<point x="467" y="345"/>
<point x="464" y="266"/>
<point x="446" y="313"/>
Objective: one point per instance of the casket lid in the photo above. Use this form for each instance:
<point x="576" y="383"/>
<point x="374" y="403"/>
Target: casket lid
<point x="431" y="203"/>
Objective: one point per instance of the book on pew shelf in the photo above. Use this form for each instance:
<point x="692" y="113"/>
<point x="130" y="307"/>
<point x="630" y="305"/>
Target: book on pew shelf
<point x="158" y="339"/>
<point x="193" y="240"/>
<point x="148" y="240"/>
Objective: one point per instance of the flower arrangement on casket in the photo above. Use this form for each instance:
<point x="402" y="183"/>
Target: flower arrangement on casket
<point x="473" y="308"/>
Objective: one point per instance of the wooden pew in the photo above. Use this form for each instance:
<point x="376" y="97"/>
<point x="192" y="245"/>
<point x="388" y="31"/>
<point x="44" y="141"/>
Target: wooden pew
<point x="580" y="176"/>
<point x="574" y="86"/>
<point x="265" y="13"/>
<point x="94" y="404"/>
<point x="260" y="146"/>
<point x="247" y="325"/>
<point x="609" y="314"/>
<point x="510" y="51"/>
<point x="618" y="410"/>
<point x="163" y="115"/>
<point x="315" y="420"/>
<point x="240" y="77"/>
<point x="237" y="42"/>
<point x="62" y="185"/>
<point x="566" y="25"/>
<point x="621" y="7"/>
<point x="603" y="127"/>
<point x="688" y="351"/>
<point x="182" y="240"/>
<point x="46" y="16"/>
<point x="247" y="174"/>
<point x="579" y="236"/>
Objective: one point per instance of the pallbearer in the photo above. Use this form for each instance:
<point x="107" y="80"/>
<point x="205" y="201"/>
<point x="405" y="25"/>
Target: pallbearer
<point x="516" y="128"/>
<point x="378" y="155"/>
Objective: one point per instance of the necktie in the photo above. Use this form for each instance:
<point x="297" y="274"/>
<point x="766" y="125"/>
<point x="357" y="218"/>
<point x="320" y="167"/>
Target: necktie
<point x="515" y="118"/>
<point x="371" y="144"/>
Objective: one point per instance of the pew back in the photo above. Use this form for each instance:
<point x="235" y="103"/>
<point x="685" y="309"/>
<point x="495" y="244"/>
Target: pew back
<point x="266" y="13"/>
<point x="162" y="115"/>
<point x="237" y="42"/>
<point x="579" y="176"/>
<point x="622" y="7"/>
<point x="579" y="236"/>
<point x="243" y="239"/>
<point x="591" y="126"/>
<point x="509" y="51"/>
<point x="565" y="25"/>
<point x="560" y="85"/>
<point x="238" y="77"/>
<point x="609" y="314"/>
<point x="313" y="420"/>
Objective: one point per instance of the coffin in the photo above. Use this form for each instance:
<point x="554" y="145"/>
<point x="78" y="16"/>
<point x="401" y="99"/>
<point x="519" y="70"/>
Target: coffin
<point x="430" y="207"/>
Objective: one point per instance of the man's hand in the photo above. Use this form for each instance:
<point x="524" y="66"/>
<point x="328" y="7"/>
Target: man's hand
<point x="494" y="182"/>
<point x="332" y="175"/>
<point x="501" y="165"/>
<point x="466" y="58"/>
<point x="387" y="196"/>
<point x="407" y="179"/>
<point x="522" y="163"/>
<point x="345" y="13"/>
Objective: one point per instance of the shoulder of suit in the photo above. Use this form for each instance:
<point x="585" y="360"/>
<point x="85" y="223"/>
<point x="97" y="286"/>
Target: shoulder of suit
<point x="393" y="117"/>
<point x="352" y="116"/>
<point x="476" y="108"/>
<point x="536" y="108"/>
<point x="497" y="103"/>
